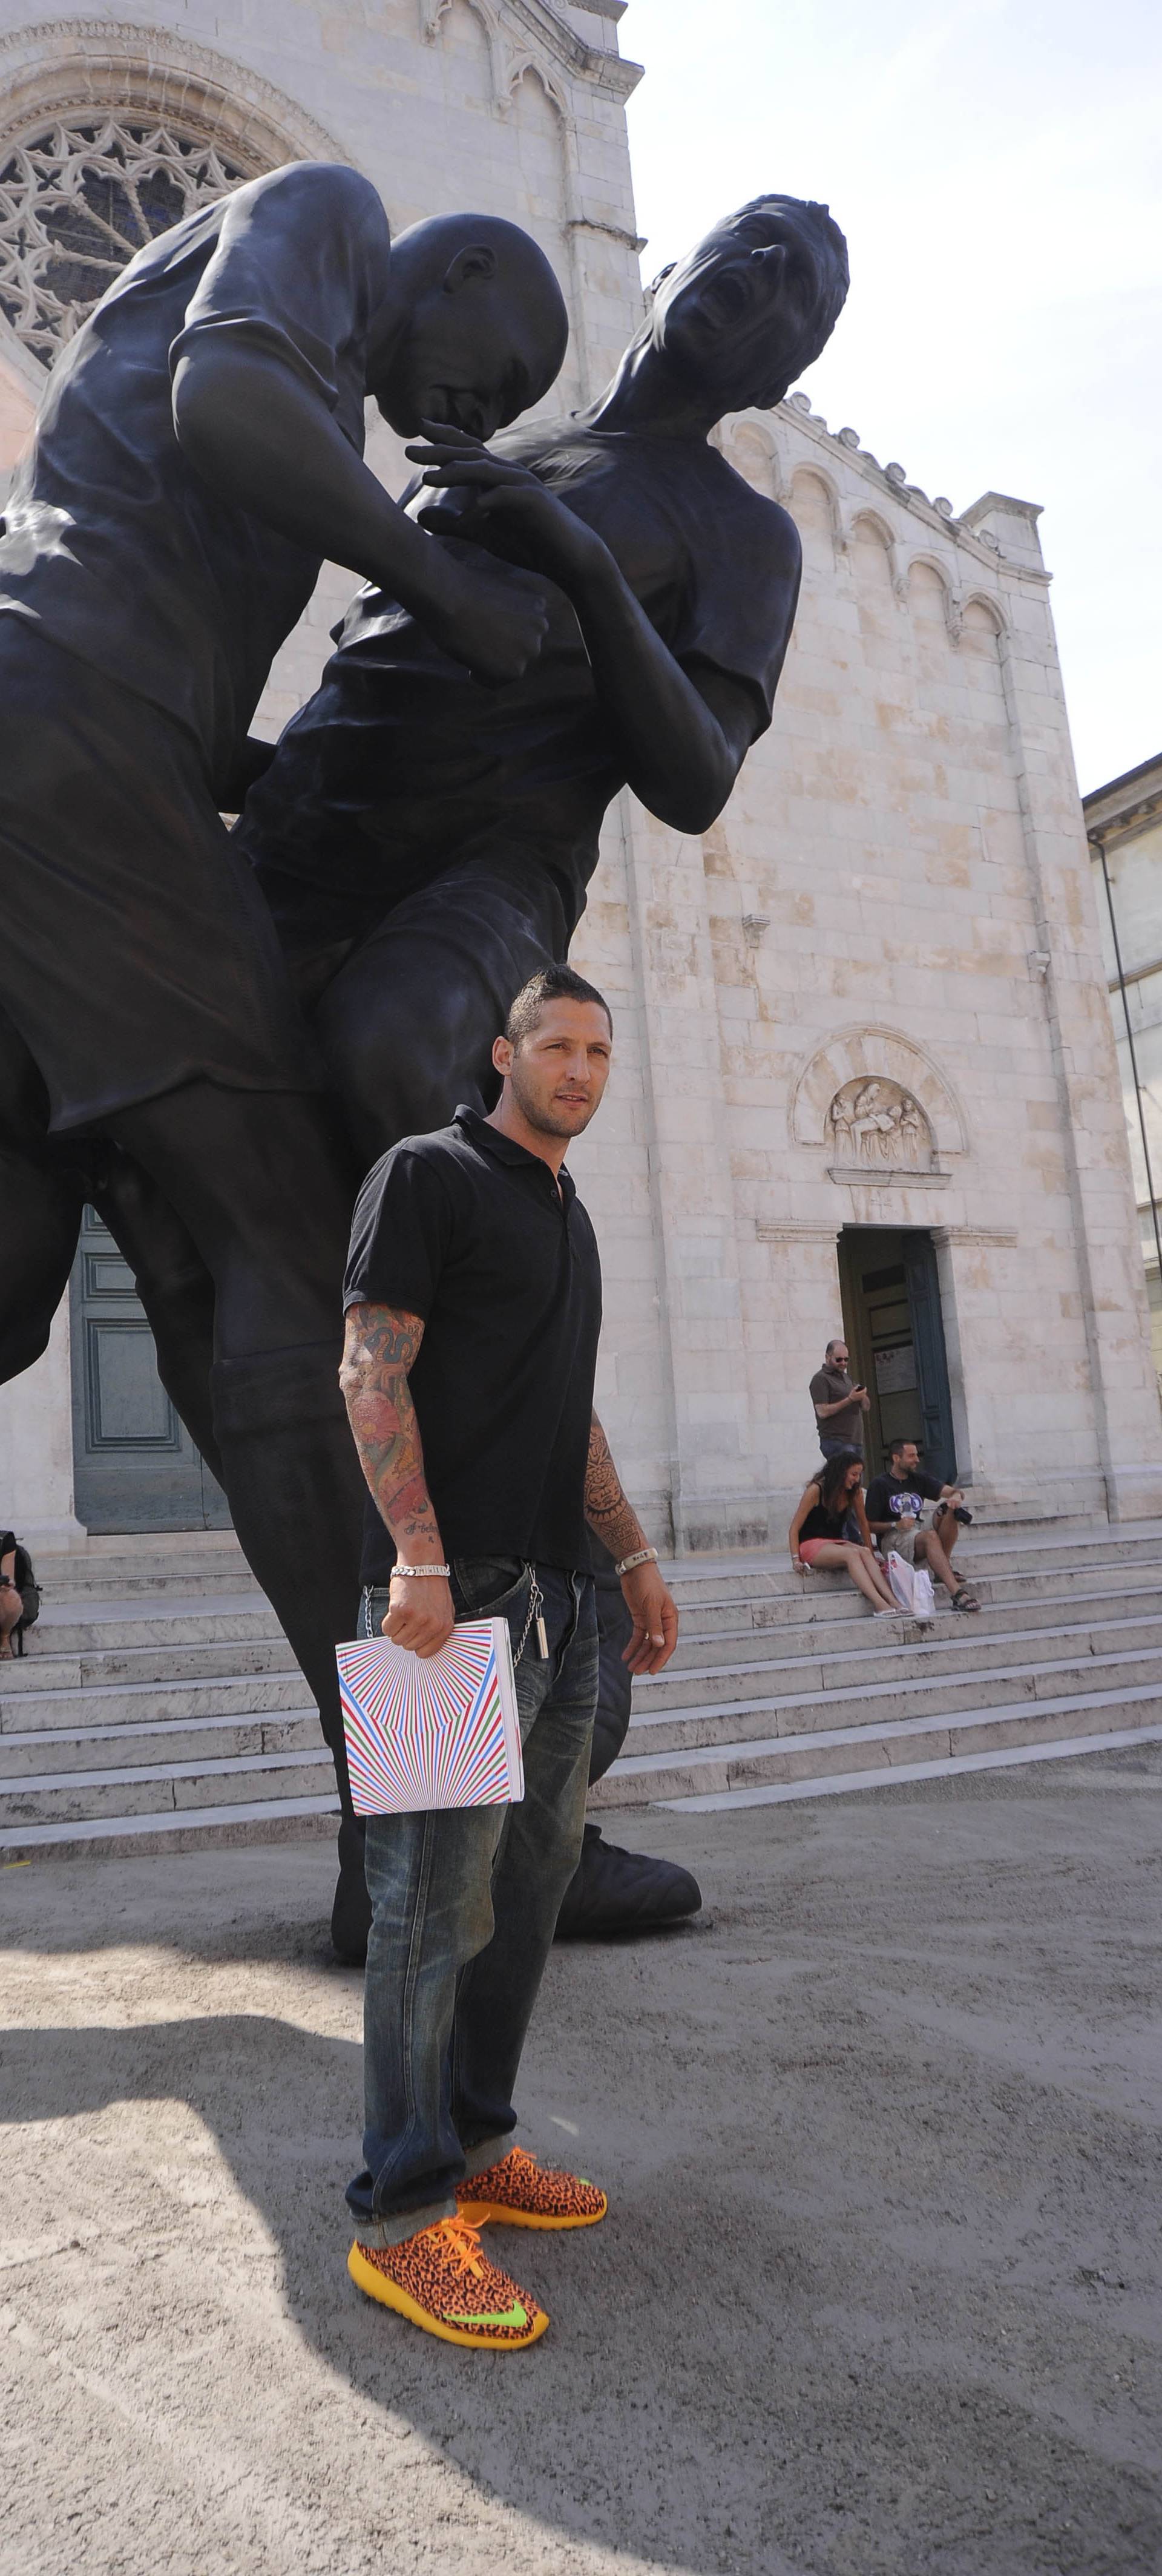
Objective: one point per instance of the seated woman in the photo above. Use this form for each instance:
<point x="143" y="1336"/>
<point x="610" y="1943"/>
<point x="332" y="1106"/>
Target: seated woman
<point x="817" y="1531"/>
<point x="19" y="1598"/>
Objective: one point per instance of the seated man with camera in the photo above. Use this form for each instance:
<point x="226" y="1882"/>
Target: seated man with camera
<point x="895" y="1501"/>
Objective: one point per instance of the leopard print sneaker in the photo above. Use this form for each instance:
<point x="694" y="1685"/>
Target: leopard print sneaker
<point x="522" y="2193"/>
<point x="444" y="2283"/>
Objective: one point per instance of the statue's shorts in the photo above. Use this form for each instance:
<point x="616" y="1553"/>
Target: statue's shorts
<point x="136" y="951"/>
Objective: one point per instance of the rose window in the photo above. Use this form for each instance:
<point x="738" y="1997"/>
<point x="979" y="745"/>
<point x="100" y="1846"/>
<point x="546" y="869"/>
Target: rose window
<point x="77" y="201"/>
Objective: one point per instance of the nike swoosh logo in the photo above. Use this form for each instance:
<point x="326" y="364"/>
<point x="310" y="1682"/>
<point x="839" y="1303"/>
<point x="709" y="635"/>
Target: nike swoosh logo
<point x="514" y="2316"/>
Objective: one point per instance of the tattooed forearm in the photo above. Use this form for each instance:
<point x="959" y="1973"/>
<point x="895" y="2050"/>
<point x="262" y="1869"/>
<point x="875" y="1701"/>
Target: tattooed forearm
<point x="608" y="1513"/>
<point x="380" y="1348"/>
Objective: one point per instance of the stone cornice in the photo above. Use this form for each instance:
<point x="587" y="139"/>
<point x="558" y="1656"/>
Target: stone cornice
<point x="1124" y="803"/>
<point x="533" y="27"/>
<point x="890" y="481"/>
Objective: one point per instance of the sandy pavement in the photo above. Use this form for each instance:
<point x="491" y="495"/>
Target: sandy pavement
<point x="879" y="2289"/>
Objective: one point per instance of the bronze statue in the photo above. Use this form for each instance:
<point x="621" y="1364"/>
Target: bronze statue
<point x="424" y="843"/>
<point x="197" y="456"/>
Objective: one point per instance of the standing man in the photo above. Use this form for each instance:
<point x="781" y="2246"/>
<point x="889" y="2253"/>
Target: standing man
<point x="197" y="456"/>
<point x="840" y="1405"/>
<point x="473" y="1302"/>
<point x="895" y="1501"/>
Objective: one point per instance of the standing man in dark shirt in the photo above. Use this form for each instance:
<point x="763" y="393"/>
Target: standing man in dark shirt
<point x="197" y="456"/>
<point x="840" y="1405"/>
<point x="895" y="1501"/>
<point x="473" y="1302"/>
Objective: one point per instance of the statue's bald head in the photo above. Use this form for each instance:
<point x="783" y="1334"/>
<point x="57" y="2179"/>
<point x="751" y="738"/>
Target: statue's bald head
<point x="484" y="330"/>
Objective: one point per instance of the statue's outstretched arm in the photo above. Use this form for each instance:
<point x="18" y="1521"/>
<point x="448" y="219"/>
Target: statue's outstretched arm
<point x="684" y="733"/>
<point x="267" y="443"/>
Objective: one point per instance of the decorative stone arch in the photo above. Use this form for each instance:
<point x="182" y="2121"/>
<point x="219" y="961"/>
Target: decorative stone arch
<point x="514" y="72"/>
<point x="864" y="517"/>
<point x="953" y="605"/>
<point x="869" y="1054"/>
<point x="70" y="76"/>
<point x="806" y="469"/>
<point x="74" y="64"/>
<point x="741" y="436"/>
<point x="432" y="16"/>
<point x="994" y="608"/>
<point x="508" y="62"/>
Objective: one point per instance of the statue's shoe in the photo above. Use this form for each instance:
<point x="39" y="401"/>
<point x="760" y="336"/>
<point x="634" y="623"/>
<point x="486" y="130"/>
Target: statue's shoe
<point x="443" y="2281"/>
<point x="615" y="1892"/>
<point x="522" y="2193"/>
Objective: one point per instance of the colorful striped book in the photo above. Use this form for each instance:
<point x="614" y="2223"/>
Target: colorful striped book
<point x="434" y="1730"/>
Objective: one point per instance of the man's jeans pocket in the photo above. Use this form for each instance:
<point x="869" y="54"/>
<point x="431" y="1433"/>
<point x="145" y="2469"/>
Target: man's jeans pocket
<point x="489" y="1587"/>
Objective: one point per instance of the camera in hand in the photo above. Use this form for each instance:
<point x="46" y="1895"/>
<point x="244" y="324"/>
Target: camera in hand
<point x="961" y="1513"/>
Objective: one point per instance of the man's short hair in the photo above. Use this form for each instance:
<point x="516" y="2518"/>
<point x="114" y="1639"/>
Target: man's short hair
<point x="833" y="1346"/>
<point x="552" y="984"/>
<point x="903" y="1440"/>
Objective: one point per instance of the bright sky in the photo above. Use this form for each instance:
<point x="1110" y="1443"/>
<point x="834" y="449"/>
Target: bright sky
<point x="997" y="168"/>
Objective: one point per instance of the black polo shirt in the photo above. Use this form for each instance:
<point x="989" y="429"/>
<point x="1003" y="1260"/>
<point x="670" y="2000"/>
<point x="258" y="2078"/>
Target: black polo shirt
<point x="468" y="1231"/>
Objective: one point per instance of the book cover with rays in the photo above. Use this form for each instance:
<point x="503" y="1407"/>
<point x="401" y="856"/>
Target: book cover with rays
<point x="434" y="1730"/>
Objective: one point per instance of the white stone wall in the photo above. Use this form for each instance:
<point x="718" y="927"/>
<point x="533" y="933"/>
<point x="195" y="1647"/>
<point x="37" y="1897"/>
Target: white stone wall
<point x="1127" y="820"/>
<point x="900" y="886"/>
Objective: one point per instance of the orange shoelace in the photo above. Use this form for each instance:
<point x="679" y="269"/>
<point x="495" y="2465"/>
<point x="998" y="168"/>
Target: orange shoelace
<point x="463" y="2244"/>
<point x="517" y="2158"/>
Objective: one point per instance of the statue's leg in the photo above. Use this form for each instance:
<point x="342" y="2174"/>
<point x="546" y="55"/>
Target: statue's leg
<point x="261" y="1184"/>
<point x="173" y="1283"/>
<point x="41" y="1199"/>
<point x="407" y="1023"/>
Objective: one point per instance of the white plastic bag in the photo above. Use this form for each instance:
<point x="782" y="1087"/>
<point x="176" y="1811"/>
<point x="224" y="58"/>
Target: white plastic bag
<point x="902" y="1578"/>
<point x="923" y="1596"/>
<point x="912" y="1585"/>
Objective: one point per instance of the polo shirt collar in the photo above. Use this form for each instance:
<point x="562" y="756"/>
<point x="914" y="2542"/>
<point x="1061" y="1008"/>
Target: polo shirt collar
<point x="506" y="1150"/>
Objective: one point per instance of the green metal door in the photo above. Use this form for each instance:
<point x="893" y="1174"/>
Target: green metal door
<point x="135" y="1466"/>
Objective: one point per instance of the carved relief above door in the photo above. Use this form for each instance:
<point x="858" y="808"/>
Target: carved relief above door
<point x="874" y="1124"/>
<point x="878" y="1110"/>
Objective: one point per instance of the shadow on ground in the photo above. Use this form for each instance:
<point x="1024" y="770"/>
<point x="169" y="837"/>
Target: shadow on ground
<point x="882" y="2143"/>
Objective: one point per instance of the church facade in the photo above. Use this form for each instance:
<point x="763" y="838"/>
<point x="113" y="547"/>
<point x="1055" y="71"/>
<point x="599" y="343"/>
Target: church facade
<point x="866" y="1080"/>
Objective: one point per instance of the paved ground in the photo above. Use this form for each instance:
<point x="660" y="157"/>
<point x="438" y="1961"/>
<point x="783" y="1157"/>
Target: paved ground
<point x="879" y="2290"/>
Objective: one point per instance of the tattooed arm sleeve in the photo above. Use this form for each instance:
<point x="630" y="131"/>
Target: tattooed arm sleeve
<point x="609" y="1515"/>
<point x="380" y="1348"/>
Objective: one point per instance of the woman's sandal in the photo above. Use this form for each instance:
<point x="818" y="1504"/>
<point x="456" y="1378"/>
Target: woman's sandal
<point x="965" y="1599"/>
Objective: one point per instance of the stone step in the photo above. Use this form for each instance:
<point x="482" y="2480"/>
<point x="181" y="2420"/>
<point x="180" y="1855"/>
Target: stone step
<point x="80" y="1748"/>
<point x="880" y="1704"/>
<point x="839" y="1784"/>
<point x="92" y="1627"/>
<point x="246" y="1821"/>
<point x="838" y="1607"/>
<point x="909" y="1646"/>
<point x="160" y="1705"/>
<point x="155" y="1663"/>
<point x="774" y="1576"/>
<point x="640" y="1779"/>
<point x="140" y="1789"/>
<point x="875" y="1675"/>
<point x="110" y="1704"/>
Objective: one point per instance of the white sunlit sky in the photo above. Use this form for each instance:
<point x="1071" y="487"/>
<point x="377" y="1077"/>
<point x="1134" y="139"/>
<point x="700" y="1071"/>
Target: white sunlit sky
<point x="997" y="168"/>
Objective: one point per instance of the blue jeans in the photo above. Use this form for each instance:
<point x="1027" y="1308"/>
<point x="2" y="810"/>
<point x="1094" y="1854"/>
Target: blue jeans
<point x="465" y="1905"/>
<point x="832" y="1448"/>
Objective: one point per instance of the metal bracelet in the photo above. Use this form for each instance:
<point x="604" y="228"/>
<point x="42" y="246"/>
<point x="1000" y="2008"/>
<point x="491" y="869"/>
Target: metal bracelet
<point x="644" y="1556"/>
<point x="422" y="1569"/>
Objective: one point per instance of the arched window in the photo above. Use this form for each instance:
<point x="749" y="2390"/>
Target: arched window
<point x="78" y="199"/>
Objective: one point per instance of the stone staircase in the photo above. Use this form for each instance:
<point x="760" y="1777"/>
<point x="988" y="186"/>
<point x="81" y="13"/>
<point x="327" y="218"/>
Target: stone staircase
<point x="159" y="1706"/>
<point x="784" y="1687"/>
